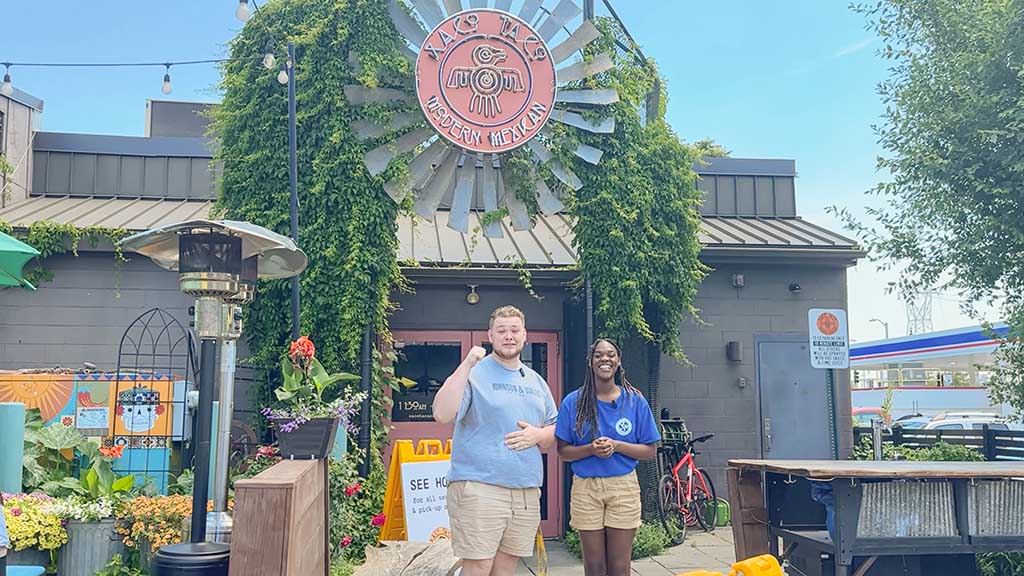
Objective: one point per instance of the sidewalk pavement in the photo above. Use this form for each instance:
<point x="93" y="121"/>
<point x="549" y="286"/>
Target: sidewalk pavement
<point x="700" y="551"/>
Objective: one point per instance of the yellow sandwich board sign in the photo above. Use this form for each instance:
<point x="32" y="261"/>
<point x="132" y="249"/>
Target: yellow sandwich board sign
<point x="414" y="502"/>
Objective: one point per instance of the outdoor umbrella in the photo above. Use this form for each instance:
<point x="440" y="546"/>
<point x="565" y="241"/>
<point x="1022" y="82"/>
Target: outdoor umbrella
<point x="14" y="254"/>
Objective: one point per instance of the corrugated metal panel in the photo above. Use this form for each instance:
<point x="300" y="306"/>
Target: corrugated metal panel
<point x="994" y="508"/>
<point x="907" y="509"/>
<point x="549" y="243"/>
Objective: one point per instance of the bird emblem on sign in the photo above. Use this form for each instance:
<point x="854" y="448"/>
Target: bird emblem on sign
<point x="486" y="80"/>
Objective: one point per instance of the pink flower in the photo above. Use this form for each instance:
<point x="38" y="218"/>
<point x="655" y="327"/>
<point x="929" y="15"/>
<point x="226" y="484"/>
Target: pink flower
<point x="267" y="451"/>
<point x="351" y="490"/>
<point x="378" y="520"/>
<point x="346" y="541"/>
<point x="15" y="511"/>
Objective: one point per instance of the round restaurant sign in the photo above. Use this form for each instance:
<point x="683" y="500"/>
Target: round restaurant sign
<point x="828" y="324"/>
<point x="485" y="81"/>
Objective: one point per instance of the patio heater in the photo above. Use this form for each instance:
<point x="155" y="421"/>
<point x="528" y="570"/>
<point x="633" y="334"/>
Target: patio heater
<point x="219" y="263"/>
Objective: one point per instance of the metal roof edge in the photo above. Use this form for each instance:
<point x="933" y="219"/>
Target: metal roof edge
<point x="22" y="97"/>
<point x="123" y="145"/>
<point x="726" y="166"/>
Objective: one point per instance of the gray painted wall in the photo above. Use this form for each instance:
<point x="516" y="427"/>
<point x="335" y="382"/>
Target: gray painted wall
<point x="81" y="315"/>
<point x="706" y="393"/>
<point x="176" y="119"/>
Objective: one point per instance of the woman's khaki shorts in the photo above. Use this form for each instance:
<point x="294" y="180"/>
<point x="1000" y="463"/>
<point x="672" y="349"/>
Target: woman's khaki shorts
<point x="486" y="518"/>
<point x="612" y="502"/>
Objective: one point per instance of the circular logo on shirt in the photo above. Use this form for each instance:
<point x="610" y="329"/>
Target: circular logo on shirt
<point x="623" y="426"/>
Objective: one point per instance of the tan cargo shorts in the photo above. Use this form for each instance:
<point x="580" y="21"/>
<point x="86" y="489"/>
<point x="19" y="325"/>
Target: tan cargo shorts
<point x="486" y="518"/>
<point x="612" y="502"/>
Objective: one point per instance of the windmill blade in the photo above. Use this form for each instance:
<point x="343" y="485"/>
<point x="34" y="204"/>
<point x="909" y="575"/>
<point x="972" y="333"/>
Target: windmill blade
<point x="430" y="11"/>
<point x="597" y="97"/>
<point x="453" y="6"/>
<point x="373" y="128"/>
<point x="516" y="208"/>
<point x="429" y="198"/>
<point x="424" y="164"/>
<point x="575" y="119"/>
<point x="406" y="25"/>
<point x="421" y="169"/>
<point x="409" y="55"/>
<point x="543" y="155"/>
<point x="586" y="152"/>
<point x="478" y="3"/>
<point x="458" y="218"/>
<point x="488" y="190"/>
<point x="529" y="9"/>
<point x="505" y="5"/>
<point x="580" y="70"/>
<point x="546" y="200"/>
<point x="563" y="13"/>
<point x="377" y="160"/>
<point x="580" y="37"/>
<point x="359" y="95"/>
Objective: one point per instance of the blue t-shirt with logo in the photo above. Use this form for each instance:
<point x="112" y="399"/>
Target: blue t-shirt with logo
<point x="495" y="400"/>
<point x="628" y="419"/>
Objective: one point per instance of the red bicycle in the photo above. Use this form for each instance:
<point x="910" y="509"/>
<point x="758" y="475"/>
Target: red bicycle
<point x="687" y="500"/>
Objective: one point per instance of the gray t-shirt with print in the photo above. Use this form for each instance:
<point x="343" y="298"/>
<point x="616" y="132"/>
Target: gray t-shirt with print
<point x="495" y="400"/>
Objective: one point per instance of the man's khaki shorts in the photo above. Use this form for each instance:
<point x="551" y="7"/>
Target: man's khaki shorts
<point x="598" y="503"/>
<point x="486" y="518"/>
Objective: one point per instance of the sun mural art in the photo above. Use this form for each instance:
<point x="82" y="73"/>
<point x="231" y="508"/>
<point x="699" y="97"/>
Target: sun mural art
<point x="49" y="393"/>
<point x="487" y="83"/>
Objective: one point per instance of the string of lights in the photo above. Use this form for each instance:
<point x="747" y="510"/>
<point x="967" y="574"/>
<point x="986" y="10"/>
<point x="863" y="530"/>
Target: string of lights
<point x="242" y="13"/>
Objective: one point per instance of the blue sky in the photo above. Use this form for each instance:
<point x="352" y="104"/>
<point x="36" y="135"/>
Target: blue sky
<point x="791" y="79"/>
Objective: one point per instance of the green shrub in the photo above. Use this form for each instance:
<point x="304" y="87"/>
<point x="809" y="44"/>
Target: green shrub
<point x="650" y="540"/>
<point x="941" y="452"/>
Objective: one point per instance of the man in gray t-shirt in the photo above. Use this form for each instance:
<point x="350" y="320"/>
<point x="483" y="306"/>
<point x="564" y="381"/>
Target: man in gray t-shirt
<point x="504" y="416"/>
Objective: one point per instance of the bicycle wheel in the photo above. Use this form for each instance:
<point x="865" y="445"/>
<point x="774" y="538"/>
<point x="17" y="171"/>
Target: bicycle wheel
<point x="703" y="507"/>
<point x="671" y="514"/>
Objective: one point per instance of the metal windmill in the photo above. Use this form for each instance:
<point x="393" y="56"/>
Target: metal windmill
<point x="486" y="84"/>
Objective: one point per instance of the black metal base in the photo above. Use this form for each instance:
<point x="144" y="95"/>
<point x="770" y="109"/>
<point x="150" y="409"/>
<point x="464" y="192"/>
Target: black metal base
<point x="192" y="559"/>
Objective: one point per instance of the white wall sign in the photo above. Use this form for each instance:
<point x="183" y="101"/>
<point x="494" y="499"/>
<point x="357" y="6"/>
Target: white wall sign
<point x="830" y="340"/>
<point x="424" y="491"/>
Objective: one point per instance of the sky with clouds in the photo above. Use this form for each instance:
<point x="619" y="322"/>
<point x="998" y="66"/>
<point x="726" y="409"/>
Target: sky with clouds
<point x="791" y="79"/>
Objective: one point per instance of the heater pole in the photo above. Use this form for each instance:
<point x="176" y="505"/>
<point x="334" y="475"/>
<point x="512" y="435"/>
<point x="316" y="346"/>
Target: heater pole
<point x="201" y="485"/>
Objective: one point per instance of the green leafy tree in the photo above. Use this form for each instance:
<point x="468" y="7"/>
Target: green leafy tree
<point x="952" y="132"/>
<point x="708" y="148"/>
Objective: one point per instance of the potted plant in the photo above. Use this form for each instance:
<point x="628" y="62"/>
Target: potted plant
<point x="148" y="523"/>
<point x="89" y="505"/>
<point x="307" y="423"/>
<point x="35" y="534"/>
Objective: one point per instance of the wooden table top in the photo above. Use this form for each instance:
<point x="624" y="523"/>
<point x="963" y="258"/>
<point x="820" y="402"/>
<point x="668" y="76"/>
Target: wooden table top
<point x="870" y="469"/>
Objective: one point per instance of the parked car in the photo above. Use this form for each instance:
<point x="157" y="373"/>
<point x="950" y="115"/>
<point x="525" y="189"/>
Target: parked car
<point x="911" y="421"/>
<point x="966" y="421"/>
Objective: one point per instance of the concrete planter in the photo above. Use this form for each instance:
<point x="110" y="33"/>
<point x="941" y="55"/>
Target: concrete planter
<point x="90" y="547"/>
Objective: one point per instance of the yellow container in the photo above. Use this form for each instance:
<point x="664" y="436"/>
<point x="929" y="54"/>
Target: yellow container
<point x="765" y="565"/>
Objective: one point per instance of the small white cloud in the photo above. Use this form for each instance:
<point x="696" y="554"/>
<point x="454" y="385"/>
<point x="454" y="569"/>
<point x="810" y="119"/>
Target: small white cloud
<point x="854" y="48"/>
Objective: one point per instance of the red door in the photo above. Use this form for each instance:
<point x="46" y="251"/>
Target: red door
<point x="427" y="358"/>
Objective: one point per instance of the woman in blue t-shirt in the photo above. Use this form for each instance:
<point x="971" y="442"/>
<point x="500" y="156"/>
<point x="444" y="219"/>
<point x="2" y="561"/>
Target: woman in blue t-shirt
<point x="604" y="429"/>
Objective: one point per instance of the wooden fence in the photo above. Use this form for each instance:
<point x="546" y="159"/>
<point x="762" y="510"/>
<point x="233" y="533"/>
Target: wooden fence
<point x="993" y="444"/>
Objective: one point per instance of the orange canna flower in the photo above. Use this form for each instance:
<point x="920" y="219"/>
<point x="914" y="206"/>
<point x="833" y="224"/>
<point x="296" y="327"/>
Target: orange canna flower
<point x="302" y="350"/>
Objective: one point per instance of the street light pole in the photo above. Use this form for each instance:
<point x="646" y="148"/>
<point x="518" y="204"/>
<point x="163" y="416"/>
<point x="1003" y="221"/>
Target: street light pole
<point x="293" y="176"/>
<point x="884" y="324"/>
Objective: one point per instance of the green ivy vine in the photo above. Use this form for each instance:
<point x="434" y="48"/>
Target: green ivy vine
<point x="348" y="225"/>
<point x="52" y="239"/>
<point x="636" y="218"/>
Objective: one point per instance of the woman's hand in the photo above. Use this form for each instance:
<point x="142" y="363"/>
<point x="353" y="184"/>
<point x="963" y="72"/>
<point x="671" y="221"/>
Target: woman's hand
<point x="604" y="447"/>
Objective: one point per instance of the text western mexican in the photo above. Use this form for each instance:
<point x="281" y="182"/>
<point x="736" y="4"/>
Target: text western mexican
<point x="511" y="134"/>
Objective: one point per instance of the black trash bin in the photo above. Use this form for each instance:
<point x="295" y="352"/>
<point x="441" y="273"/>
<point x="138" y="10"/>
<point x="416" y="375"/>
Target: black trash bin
<point x="192" y="559"/>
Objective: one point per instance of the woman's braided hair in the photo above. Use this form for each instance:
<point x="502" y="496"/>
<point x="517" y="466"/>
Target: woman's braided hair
<point x="586" y="400"/>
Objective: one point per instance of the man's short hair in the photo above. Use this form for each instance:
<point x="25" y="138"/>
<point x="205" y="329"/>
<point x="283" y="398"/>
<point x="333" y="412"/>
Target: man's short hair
<point x="507" y="312"/>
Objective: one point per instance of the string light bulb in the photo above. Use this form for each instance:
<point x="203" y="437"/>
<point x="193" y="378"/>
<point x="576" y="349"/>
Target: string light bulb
<point x="166" y="88"/>
<point x="282" y="76"/>
<point x="7" y="88"/>
<point x="242" y="12"/>
<point x="269" y="62"/>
